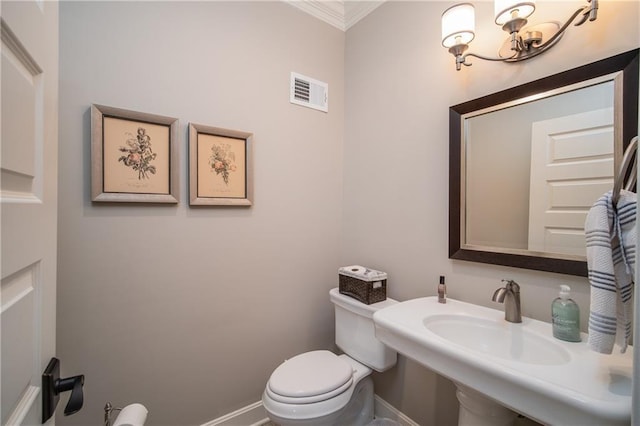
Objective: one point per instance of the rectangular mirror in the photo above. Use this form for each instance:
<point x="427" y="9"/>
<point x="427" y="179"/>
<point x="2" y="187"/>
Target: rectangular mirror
<point x="527" y="163"/>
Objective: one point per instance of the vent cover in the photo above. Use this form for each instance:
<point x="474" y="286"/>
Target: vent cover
<point x="309" y="92"/>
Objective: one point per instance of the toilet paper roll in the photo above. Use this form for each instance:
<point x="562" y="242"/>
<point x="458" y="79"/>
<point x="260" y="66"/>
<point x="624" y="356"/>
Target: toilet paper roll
<point x="132" y="415"/>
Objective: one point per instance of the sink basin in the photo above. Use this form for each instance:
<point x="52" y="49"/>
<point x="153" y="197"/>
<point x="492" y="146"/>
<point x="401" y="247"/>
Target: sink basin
<point x="521" y="366"/>
<point x="498" y="338"/>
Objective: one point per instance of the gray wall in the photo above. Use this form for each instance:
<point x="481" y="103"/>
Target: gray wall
<point x="189" y="310"/>
<point x="399" y="84"/>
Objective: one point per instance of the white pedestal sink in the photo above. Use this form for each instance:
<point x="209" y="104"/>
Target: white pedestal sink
<point x="519" y="366"/>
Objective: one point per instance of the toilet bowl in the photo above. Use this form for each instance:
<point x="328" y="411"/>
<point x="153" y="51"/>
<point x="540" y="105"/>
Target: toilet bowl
<point x="321" y="388"/>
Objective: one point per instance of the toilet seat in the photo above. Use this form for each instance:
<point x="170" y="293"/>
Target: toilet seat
<point x="297" y="410"/>
<point x="310" y="377"/>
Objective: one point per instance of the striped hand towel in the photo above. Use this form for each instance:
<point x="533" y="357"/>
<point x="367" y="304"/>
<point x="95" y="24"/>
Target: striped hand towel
<point x="611" y="253"/>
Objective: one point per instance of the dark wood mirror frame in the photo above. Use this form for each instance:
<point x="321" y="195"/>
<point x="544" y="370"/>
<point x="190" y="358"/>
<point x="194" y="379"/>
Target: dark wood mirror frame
<point x="626" y="62"/>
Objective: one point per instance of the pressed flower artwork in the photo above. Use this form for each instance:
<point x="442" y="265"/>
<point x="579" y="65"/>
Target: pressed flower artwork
<point x="222" y="161"/>
<point x="136" y="157"/>
<point x="139" y="155"/>
<point x="221" y="166"/>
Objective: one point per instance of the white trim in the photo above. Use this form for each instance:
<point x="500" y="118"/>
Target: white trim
<point x="342" y="14"/>
<point x="21" y="54"/>
<point x="24" y="406"/>
<point x="385" y="410"/>
<point x="355" y="11"/>
<point x="331" y="12"/>
<point x="255" y="415"/>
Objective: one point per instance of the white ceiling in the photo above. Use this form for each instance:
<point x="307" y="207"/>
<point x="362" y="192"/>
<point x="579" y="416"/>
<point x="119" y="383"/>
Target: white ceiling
<point x="342" y="14"/>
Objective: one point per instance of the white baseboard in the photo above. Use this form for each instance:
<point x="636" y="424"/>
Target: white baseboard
<point x="385" y="410"/>
<point x="251" y="415"/>
<point x="255" y="415"/>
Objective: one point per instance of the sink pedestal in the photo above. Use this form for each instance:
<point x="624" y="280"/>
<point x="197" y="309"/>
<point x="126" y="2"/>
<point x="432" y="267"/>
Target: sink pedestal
<point x="478" y="410"/>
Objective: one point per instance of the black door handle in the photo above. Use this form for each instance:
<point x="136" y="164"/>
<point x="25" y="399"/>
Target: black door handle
<point x="73" y="384"/>
<point x="53" y="386"/>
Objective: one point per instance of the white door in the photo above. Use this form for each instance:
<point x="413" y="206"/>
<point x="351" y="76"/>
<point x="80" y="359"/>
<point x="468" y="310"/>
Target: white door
<point x="28" y="203"/>
<point x="571" y="167"/>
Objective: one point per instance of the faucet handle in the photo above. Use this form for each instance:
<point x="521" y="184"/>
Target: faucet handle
<point x="512" y="285"/>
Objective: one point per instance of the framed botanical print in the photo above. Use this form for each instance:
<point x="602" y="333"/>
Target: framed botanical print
<point x="133" y="156"/>
<point x="220" y="166"/>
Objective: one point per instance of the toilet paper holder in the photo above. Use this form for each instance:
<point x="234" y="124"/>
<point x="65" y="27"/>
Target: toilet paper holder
<point x="108" y="410"/>
<point x="131" y="415"/>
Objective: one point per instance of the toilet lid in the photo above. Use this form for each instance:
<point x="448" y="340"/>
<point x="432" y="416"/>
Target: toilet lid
<point x="311" y="374"/>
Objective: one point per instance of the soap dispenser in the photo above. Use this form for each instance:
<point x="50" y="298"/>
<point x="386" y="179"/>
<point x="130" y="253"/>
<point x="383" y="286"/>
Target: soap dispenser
<point x="565" y="317"/>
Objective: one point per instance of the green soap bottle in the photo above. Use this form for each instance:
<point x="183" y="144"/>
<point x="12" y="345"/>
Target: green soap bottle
<point x="565" y="317"/>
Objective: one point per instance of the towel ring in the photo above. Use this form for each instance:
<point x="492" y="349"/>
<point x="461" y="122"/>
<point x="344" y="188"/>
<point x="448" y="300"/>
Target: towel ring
<point x="629" y="159"/>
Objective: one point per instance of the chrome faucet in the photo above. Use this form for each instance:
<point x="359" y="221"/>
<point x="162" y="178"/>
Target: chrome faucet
<point x="510" y="296"/>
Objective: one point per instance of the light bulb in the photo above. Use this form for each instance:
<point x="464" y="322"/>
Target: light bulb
<point x="506" y="10"/>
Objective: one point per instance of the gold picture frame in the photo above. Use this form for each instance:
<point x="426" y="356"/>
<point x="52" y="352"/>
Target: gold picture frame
<point x="220" y="167"/>
<point x="134" y="156"/>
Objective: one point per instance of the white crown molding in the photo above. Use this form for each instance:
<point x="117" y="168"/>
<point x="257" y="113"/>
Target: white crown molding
<point x="331" y="12"/>
<point x="356" y="10"/>
<point x="342" y="14"/>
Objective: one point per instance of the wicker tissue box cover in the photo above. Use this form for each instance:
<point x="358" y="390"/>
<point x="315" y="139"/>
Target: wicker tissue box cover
<point x="363" y="284"/>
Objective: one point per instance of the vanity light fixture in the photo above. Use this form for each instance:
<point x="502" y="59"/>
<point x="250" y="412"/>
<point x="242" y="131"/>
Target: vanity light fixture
<point x="458" y="30"/>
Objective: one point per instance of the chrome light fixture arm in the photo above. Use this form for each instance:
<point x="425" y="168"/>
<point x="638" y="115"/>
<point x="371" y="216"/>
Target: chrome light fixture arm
<point x="589" y="12"/>
<point x="462" y="59"/>
<point x="529" y="44"/>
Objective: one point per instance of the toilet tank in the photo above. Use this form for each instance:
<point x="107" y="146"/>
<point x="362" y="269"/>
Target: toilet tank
<point x="355" y="332"/>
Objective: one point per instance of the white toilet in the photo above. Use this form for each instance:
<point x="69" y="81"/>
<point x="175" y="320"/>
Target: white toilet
<point x="320" y="388"/>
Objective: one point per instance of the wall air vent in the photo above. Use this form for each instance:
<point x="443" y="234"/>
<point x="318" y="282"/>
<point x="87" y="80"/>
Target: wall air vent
<point x="309" y="92"/>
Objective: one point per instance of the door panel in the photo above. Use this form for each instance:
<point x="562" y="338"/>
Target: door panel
<point x="571" y="167"/>
<point x="28" y="202"/>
